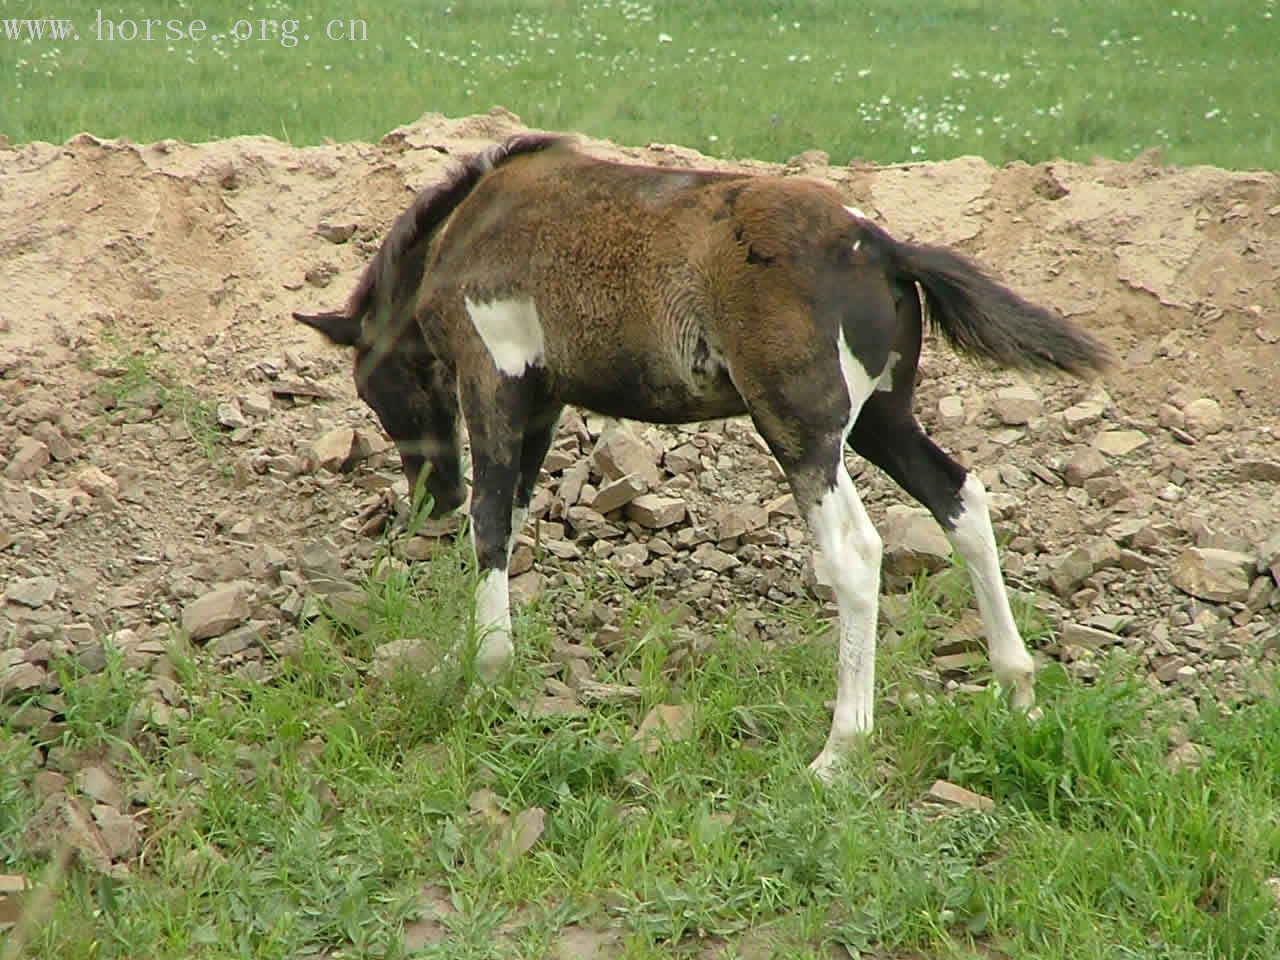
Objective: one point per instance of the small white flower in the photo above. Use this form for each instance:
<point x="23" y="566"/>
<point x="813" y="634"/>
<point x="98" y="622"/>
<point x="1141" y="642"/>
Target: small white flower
<point x="664" y="38"/>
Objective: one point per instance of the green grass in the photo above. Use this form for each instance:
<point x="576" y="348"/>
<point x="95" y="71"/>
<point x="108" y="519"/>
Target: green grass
<point x="307" y="816"/>
<point x="137" y="379"/>
<point x="886" y="81"/>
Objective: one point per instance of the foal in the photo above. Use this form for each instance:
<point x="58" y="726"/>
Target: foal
<point x="536" y="276"/>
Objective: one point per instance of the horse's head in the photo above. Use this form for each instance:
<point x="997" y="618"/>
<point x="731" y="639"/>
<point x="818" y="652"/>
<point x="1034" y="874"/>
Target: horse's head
<point x="411" y="392"/>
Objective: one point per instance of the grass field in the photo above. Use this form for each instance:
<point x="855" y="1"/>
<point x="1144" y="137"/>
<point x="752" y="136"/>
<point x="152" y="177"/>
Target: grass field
<point x="886" y="81"/>
<point x="320" y="815"/>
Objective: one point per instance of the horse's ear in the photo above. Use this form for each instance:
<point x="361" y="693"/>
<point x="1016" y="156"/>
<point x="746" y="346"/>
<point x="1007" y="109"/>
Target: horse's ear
<point x="337" y="325"/>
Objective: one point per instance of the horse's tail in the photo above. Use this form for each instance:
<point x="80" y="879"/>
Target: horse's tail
<point x="389" y="285"/>
<point x="985" y="319"/>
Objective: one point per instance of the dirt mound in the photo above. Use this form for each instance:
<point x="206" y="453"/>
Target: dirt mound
<point x="169" y="436"/>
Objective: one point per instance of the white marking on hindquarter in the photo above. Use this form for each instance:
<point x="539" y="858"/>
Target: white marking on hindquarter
<point x="858" y="385"/>
<point x="974" y="540"/>
<point x="511" y="333"/>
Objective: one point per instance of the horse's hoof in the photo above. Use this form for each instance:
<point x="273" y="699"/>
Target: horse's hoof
<point x="494" y="659"/>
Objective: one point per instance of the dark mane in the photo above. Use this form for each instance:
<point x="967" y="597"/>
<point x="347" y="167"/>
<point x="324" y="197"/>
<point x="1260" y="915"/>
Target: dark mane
<point x="395" y="272"/>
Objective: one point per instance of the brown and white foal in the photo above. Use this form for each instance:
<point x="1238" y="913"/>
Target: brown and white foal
<point x="536" y="276"/>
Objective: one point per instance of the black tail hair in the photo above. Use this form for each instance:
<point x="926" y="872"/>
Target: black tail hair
<point x="985" y="319"/>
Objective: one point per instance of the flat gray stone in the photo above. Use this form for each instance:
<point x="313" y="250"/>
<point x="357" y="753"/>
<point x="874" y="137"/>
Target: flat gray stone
<point x="97" y="784"/>
<point x="28" y="459"/>
<point x="952" y="795"/>
<point x="950" y="412"/>
<point x="216" y="612"/>
<point x="1119" y="443"/>
<point x="1017" y="405"/>
<point x="1085" y="465"/>
<point x="619" y="452"/>
<point x="913" y="542"/>
<point x="1221" y="576"/>
<point x="618" y="493"/>
<point x="32" y="591"/>
<point x="656" y="512"/>
<point x="1083" y="414"/>
<point x="1204" y="417"/>
<point x="709" y="557"/>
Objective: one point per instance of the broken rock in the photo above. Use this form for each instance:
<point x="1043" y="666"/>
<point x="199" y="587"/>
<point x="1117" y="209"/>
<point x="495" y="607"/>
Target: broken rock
<point x="735" y="520"/>
<point x="1119" y="443"/>
<point x="28" y="459"/>
<point x="950" y="412"/>
<point x="1083" y="414"/>
<point x="913" y="542"/>
<point x="32" y="592"/>
<point x="119" y="832"/>
<point x="339" y="450"/>
<point x="1221" y="576"/>
<point x="655" y="512"/>
<point x="19" y="676"/>
<point x="62" y="822"/>
<point x="1081" y="563"/>
<point x="953" y="795"/>
<point x="708" y="556"/>
<point x="95" y="481"/>
<point x="619" y="452"/>
<point x="1085" y="465"/>
<point x="1017" y="405"/>
<point x="1204" y="417"/>
<point x="665" y="721"/>
<point x="216" y="612"/>
<point x="405" y="653"/>
<point x="1081" y="635"/>
<point x="619" y="493"/>
<point x="96" y="783"/>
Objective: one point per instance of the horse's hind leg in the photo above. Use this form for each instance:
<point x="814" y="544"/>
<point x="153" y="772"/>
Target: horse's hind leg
<point x="888" y="435"/>
<point x="804" y="414"/>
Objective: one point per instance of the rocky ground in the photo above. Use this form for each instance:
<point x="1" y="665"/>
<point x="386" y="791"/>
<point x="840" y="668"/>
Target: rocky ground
<point x="176" y="455"/>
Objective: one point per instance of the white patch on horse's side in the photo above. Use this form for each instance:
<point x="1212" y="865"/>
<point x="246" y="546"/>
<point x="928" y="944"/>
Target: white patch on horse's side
<point x="493" y="625"/>
<point x="511" y="333"/>
<point x="975" y="541"/>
